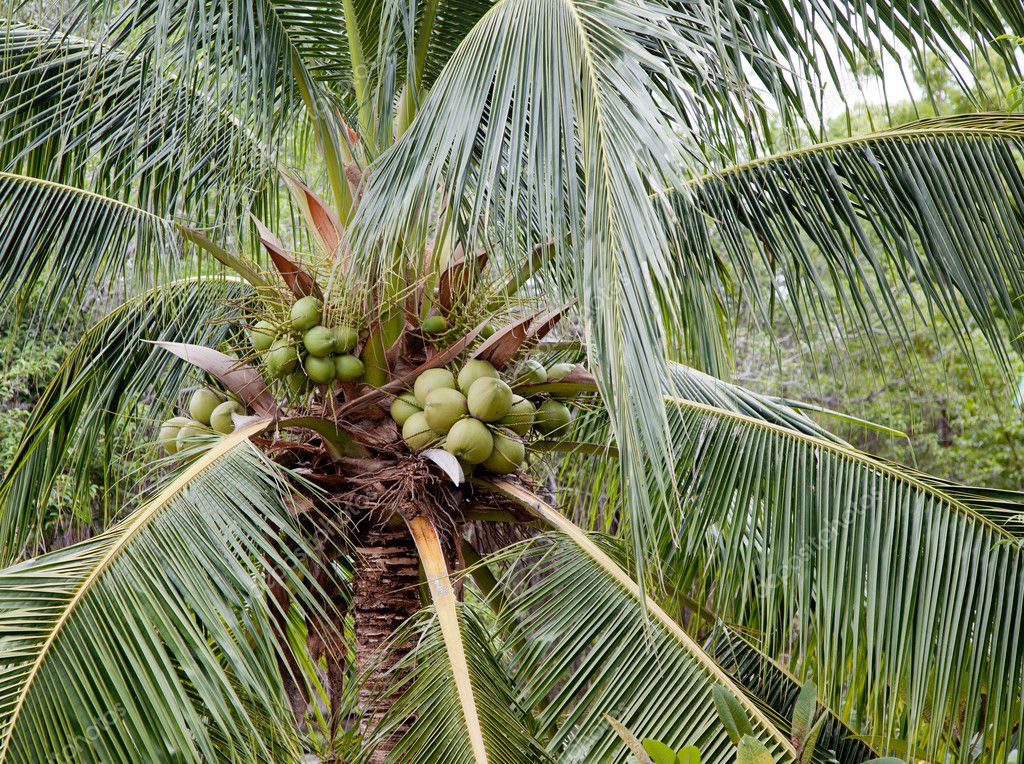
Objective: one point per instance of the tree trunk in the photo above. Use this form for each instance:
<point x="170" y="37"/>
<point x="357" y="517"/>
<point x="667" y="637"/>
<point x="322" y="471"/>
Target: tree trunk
<point x="385" y="594"/>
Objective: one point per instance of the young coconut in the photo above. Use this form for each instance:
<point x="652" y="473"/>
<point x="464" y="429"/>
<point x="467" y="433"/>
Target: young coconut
<point x="474" y="370"/>
<point x="220" y="419"/>
<point x="430" y="380"/>
<point x="319" y="341"/>
<point x="189" y="435"/>
<point x="469" y="439"/>
<point x="202" y="403"/>
<point x="168" y="435"/>
<point x="298" y="383"/>
<point x="348" y="368"/>
<point x="417" y="433"/>
<point x="306" y="313"/>
<point x="532" y="372"/>
<point x="403" y="407"/>
<point x="560" y="371"/>
<point x="489" y="399"/>
<point x="507" y="456"/>
<point x="443" y="408"/>
<point x="434" y="325"/>
<point x="345" y="339"/>
<point x="520" y="416"/>
<point x="262" y="335"/>
<point x="552" y="416"/>
<point x="319" y="370"/>
<point x="282" y="359"/>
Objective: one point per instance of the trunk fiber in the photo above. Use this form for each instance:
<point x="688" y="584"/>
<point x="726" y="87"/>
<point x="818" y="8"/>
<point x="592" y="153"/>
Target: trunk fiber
<point x="385" y="594"/>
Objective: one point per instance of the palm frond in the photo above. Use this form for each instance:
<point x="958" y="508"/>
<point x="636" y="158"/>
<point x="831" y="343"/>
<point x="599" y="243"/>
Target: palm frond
<point x="847" y="226"/>
<point x="608" y="649"/>
<point x="99" y="638"/>
<point x="854" y="567"/>
<point x="109" y="380"/>
<point x="437" y="733"/>
<point x="58" y="240"/>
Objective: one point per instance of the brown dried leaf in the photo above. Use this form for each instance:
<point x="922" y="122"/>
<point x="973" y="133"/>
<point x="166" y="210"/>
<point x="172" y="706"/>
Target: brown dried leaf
<point x="241" y="379"/>
<point x="300" y="282"/>
<point x="505" y="343"/>
<point x="326" y="224"/>
<point x="455" y="279"/>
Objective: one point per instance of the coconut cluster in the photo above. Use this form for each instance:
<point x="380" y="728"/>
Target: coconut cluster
<point x="476" y="416"/>
<point x="208" y="410"/>
<point x="304" y="351"/>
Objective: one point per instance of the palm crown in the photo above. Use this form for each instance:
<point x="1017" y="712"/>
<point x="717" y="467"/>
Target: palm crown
<point x="580" y="183"/>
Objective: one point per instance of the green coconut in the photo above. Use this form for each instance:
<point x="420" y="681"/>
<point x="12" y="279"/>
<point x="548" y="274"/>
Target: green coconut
<point x="417" y="433"/>
<point x="202" y="403"/>
<point x="282" y="359"/>
<point x="319" y="370"/>
<point x="431" y="379"/>
<point x="319" y="341"/>
<point x="552" y="416"/>
<point x="532" y="372"/>
<point x="189" y="435"/>
<point x="474" y="370"/>
<point x="220" y="419"/>
<point x="469" y="439"/>
<point x="434" y="325"/>
<point x="348" y="368"/>
<point x="560" y="370"/>
<point x="489" y="399"/>
<point x="520" y="415"/>
<point x="262" y="335"/>
<point x="444" y="407"/>
<point x="298" y="382"/>
<point x="403" y="407"/>
<point x="488" y="331"/>
<point x="306" y="313"/>
<point x="167" y="437"/>
<point x="507" y="456"/>
<point x="345" y="339"/>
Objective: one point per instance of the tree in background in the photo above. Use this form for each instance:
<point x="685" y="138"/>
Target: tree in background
<point x="613" y="165"/>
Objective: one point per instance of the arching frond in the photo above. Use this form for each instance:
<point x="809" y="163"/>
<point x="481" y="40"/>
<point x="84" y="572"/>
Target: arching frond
<point x="110" y="378"/>
<point x="595" y="645"/>
<point x="101" y="639"/>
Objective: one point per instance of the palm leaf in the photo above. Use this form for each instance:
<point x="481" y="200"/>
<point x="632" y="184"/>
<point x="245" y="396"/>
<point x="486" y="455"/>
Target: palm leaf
<point x="603" y="655"/>
<point x="849" y="225"/>
<point x="99" y="638"/>
<point x="110" y="378"/>
<point x="855" y="567"/>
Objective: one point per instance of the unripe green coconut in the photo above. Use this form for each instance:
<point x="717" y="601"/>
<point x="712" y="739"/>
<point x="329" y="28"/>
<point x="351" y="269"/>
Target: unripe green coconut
<point x="417" y="433"/>
<point x="431" y="379"/>
<point x="345" y="339"/>
<point x="306" y="313"/>
<point x="220" y="419"/>
<point x="348" y="368"/>
<point x="189" y="435"/>
<point x="532" y="371"/>
<point x="560" y="370"/>
<point x="319" y="370"/>
<point x="489" y="399"/>
<point x="443" y="408"/>
<point x="469" y="439"/>
<point x="298" y="382"/>
<point x="282" y="359"/>
<point x="403" y="407"/>
<point x="434" y="325"/>
<point x="520" y="416"/>
<point x="552" y="416"/>
<point x="319" y="341"/>
<point x="474" y="370"/>
<point x="262" y="335"/>
<point x="167" y="437"/>
<point x="507" y="456"/>
<point x="488" y="331"/>
<point x="202" y="403"/>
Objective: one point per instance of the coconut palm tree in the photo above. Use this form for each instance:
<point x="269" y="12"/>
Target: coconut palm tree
<point x="564" y="201"/>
